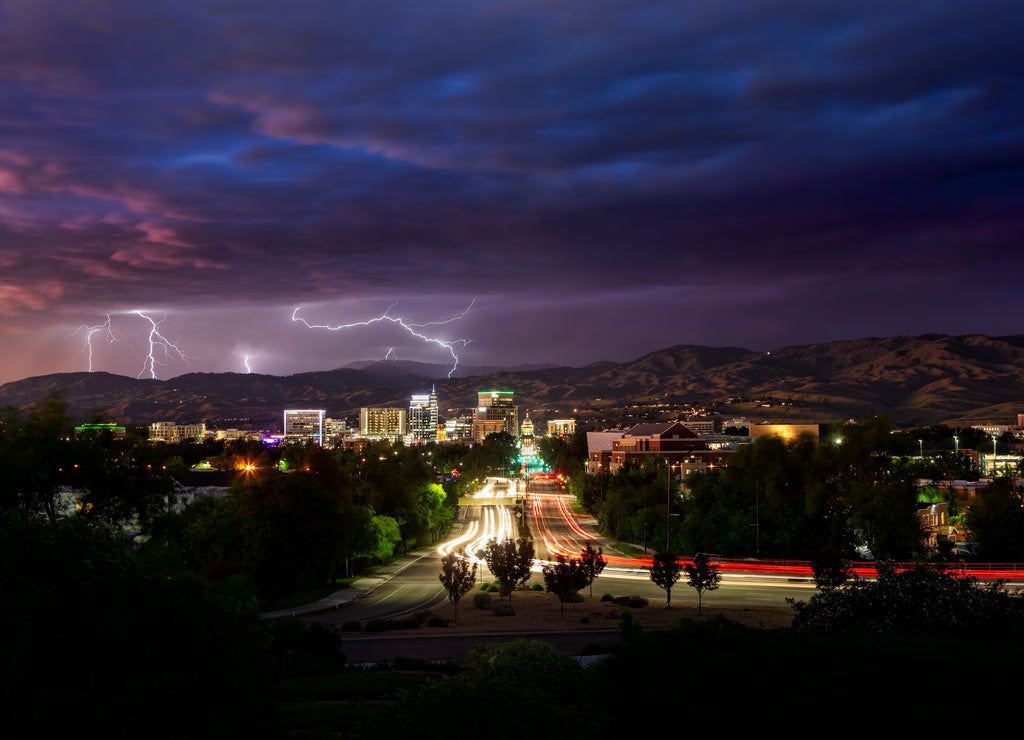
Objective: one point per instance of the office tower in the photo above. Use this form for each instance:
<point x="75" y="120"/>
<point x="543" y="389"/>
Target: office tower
<point x="385" y="422"/>
<point x="304" y="425"/>
<point x="495" y="412"/>
<point x="423" y="416"/>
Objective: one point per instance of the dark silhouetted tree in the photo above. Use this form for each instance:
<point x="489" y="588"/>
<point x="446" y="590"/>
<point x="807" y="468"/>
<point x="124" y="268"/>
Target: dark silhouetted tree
<point x="510" y="562"/>
<point x="565" y="578"/>
<point x="665" y="571"/>
<point x="702" y="576"/>
<point x="593" y="562"/>
<point x="457" y="578"/>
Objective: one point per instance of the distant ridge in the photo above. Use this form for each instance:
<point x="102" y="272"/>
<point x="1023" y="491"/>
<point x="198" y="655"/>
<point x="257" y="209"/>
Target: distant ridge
<point x="914" y="380"/>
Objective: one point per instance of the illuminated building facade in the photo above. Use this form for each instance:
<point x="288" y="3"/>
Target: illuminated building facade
<point x="304" y="425"/>
<point x="386" y="422"/>
<point x="87" y="431"/>
<point x="670" y="440"/>
<point x="561" y="427"/>
<point x="787" y="432"/>
<point x="495" y="412"/>
<point x="168" y="431"/>
<point x="457" y="429"/>
<point x="423" y="416"/>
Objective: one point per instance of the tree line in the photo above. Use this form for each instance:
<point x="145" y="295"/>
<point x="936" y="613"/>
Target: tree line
<point x="852" y="494"/>
<point x="273" y="532"/>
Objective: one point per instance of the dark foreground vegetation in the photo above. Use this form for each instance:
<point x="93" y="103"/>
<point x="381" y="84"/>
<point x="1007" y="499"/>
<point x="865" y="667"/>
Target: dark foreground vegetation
<point x="100" y="642"/>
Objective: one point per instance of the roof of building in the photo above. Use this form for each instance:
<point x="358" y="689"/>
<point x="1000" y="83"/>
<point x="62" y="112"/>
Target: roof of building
<point x="659" y="430"/>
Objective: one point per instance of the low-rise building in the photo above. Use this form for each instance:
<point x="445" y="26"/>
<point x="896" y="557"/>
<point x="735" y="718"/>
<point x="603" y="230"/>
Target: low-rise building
<point x="670" y="440"/>
<point x="561" y="427"/>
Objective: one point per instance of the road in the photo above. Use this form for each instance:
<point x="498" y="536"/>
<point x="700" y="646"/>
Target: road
<point x="556" y="530"/>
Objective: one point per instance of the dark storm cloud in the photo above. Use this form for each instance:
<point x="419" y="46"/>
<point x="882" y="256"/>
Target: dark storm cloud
<point x="211" y="154"/>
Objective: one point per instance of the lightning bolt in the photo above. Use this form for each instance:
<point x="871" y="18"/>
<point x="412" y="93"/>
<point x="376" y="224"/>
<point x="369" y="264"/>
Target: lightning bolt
<point x="88" y="331"/>
<point x="391" y="352"/>
<point x="411" y="327"/>
<point x="245" y="361"/>
<point x="157" y="340"/>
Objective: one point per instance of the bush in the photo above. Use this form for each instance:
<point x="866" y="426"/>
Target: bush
<point x="386" y="625"/>
<point x="306" y="648"/>
<point x="629" y="627"/>
<point x="584" y="620"/>
<point x="351" y="625"/>
<point x="436" y="621"/>
<point x="637" y="602"/>
<point x="922" y="600"/>
<point x="482" y="600"/>
<point x="607" y="597"/>
<point x="405" y="623"/>
<point x="537" y="587"/>
<point x="493" y="588"/>
<point x="503" y="609"/>
<point x="422" y="616"/>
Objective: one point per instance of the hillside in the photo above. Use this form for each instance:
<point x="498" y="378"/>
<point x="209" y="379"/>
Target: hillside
<point x="915" y="380"/>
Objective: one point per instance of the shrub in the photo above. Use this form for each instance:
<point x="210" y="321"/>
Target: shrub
<point x="306" y="648"/>
<point x="584" y="620"/>
<point x="436" y="621"/>
<point x="493" y="588"/>
<point x="405" y="623"/>
<point x="386" y="625"/>
<point x="351" y="625"/>
<point x="503" y="609"/>
<point x="537" y="587"/>
<point x="629" y="627"/>
<point x="921" y="600"/>
<point x="482" y="600"/>
<point x="607" y="597"/>
<point x="637" y="602"/>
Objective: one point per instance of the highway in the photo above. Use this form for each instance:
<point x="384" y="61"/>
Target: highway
<point x="490" y="515"/>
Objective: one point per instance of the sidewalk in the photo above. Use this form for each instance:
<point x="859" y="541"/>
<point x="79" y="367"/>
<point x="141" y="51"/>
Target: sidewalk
<point x="365" y="584"/>
<point x="354" y="591"/>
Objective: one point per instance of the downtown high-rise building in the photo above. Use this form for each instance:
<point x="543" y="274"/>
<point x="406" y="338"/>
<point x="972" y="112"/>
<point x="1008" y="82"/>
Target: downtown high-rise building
<point x="383" y="422"/>
<point x="495" y="412"/>
<point x="304" y="425"/>
<point x="423" y="416"/>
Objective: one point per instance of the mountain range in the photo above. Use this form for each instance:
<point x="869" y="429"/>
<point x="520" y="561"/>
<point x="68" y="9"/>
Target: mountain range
<point x="914" y="380"/>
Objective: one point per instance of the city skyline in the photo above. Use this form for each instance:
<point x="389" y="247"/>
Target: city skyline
<point x="213" y="187"/>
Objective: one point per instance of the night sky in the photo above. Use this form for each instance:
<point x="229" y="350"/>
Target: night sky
<point x="603" y="178"/>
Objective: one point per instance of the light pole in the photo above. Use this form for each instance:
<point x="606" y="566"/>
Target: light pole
<point x="920" y="447"/>
<point x="668" y="505"/>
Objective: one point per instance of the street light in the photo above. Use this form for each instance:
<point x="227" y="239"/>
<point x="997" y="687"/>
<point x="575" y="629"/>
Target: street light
<point x="668" y="505"/>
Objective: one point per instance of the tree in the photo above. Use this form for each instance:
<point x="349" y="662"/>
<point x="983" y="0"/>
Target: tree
<point x="996" y="519"/>
<point x="593" y="562"/>
<point x="702" y="576"/>
<point x="457" y="578"/>
<point x="564" y="578"/>
<point x="665" y="571"/>
<point x="510" y="562"/>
